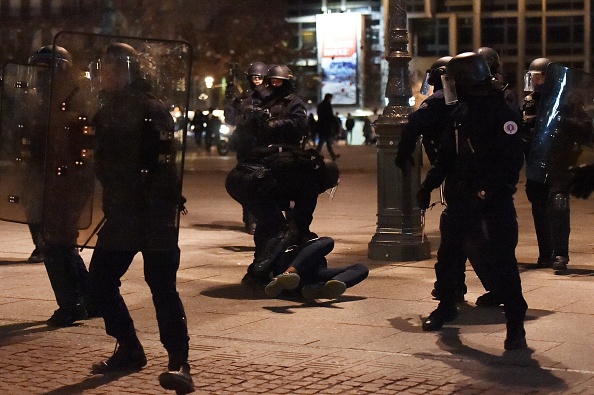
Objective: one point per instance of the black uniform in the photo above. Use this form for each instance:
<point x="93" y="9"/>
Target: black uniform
<point x="537" y="192"/>
<point x="248" y="119"/>
<point x="65" y="199"/>
<point x="140" y="201"/>
<point x="429" y="120"/>
<point x="481" y="156"/>
<point x="285" y="119"/>
<point x="273" y="180"/>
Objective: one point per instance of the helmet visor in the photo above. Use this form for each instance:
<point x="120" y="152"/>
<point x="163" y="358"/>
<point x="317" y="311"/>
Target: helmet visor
<point x="533" y="81"/>
<point x="111" y="74"/>
<point x="449" y="90"/>
<point x="425" y="86"/>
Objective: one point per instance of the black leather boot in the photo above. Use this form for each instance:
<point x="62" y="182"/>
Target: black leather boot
<point x="516" y="336"/>
<point x="444" y="313"/>
<point x="125" y="357"/>
<point x="177" y="378"/>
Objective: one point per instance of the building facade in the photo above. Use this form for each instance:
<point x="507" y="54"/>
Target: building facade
<point x="520" y="30"/>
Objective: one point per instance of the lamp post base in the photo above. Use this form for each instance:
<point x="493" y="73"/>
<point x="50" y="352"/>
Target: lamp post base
<point x="398" y="247"/>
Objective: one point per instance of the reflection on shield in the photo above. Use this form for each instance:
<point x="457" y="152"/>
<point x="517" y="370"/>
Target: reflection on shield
<point x="564" y="132"/>
<point x="114" y="162"/>
<point x="24" y="111"/>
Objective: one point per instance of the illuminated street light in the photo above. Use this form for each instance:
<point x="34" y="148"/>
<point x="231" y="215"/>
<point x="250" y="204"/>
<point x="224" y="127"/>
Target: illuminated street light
<point x="209" y="81"/>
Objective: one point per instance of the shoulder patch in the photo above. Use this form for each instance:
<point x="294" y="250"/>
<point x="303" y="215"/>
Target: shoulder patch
<point x="423" y="105"/>
<point x="510" y="127"/>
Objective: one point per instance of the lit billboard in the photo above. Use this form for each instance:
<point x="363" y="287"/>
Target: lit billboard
<point x="339" y="39"/>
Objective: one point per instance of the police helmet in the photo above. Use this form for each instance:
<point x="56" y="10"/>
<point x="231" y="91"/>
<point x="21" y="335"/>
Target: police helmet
<point x="433" y="75"/>
<point x="121" y="52"/>
<point x="492" y="58"/>
<point x="116" y="56"/>
<point x="539" y="65"/>
<point x="533" y="78"/>
<point x="468" y="69"/>
<point x="44" y="56"/>
<point x="256" y="69"/>
<point x="280" y="72"/>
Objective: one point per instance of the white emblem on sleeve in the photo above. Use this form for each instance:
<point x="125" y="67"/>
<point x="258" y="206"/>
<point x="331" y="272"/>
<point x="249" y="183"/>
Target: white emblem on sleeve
<point x="510" y="127"/>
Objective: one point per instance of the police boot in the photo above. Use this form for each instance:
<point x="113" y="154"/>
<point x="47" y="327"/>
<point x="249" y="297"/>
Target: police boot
<point x="445" y="312"/>
<point x="560" y="263"/>
<point x="177" y="377"/>
<point x="67" y="316"/>
<point x="127" y="356"/>
<point x="273" y="251"/>
<point x="516" y="336"/>
<point x="489" y="299"/>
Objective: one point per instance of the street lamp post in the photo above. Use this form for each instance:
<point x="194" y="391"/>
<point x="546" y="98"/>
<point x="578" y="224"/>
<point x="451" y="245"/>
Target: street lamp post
<point x="399" y="235"/>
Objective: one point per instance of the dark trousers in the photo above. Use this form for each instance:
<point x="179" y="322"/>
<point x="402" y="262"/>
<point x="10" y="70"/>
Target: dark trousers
<point x="160" y="270"/>
<point x="310" y="263"/>
<point x="550" y="211"/>
<point x="451" y="247"/>
<point x="328" y="141"/>
<point x="68" y="275"/>
<point x="538" y="195"/>
<point x="488" y="234"/>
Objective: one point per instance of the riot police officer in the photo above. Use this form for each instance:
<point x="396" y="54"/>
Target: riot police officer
<point x="284" y="113"/>
<point x="66" y="270"/>
<point x="273" y="180"/>
<point x="563" y="126"/>
<point x="249" y="103"/>
<point x="428" y="121"/>
<point x="499" y="78"/>
<point x="141" y="199"/>
<point x="431" y="120"/>
<point x="481" y="157"/>
<point x="246" y="127"/>
<point x="537" y="192"/>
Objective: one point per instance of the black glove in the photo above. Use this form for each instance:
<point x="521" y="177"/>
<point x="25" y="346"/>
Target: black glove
<point x="402" y="161"/>
<point x="424" y="198"/>
<point x="273" y="123"/>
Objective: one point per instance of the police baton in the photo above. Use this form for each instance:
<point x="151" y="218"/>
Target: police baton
<point x="95" y="231"/>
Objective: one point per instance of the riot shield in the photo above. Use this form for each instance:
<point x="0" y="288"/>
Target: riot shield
<point x="115" y="161"/>
<point x="24" y="113"/>
<point x="564" y="132"/>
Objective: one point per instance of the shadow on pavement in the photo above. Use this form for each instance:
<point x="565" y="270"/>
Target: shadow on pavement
<point x="512" y="368"/>
<point x="467" y="316"/>
<point x="239" y="248"/>
<point x="307" y="304"/>
<point x="234" y="291"/>
<point x="11" y="333"/>
<point x="18" y="262"/>
<point x="235" y="226"/>
<point x="88" y="384"/>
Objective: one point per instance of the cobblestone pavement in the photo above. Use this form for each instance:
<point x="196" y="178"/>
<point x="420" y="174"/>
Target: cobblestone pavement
<point x="367" y="342"/>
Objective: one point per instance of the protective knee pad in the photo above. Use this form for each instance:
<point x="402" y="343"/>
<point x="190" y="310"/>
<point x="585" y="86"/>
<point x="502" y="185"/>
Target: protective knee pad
<point x="559" y="202"/>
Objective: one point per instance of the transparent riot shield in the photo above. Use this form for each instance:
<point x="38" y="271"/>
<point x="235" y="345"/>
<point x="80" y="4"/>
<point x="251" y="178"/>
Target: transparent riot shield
<point x="115" y="161"/>
<point x="564" y="132"/>
<point x="24" y="113"/>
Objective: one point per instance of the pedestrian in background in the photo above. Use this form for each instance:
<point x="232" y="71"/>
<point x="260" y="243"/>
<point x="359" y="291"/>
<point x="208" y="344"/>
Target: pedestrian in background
<point x="326" y="126"/>
<point x="368" y="132"/>
<point x="349" y="124"/>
